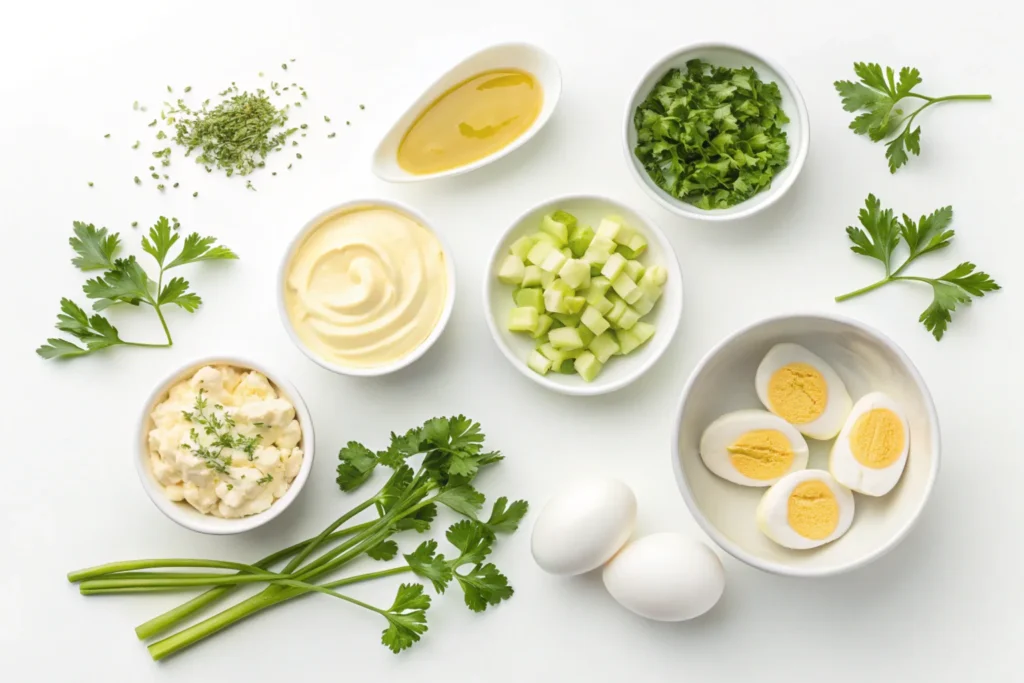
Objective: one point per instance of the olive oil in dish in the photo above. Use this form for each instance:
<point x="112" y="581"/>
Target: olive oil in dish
<point x="471" y="121"/>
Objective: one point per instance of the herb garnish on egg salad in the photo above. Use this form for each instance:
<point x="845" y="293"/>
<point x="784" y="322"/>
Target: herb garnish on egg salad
<point x="226" y="442"/>
<point x="429" y="465"/>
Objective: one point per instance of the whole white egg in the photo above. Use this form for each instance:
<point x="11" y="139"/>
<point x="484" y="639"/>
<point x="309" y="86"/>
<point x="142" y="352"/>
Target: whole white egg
<point x="582" y="527"/>
<point x="804" y="390"/>
<point x="665" y="577"/>
<point x="805" y="510"/>
<point x="752" y="448"/>
<point x="871" y="451"/>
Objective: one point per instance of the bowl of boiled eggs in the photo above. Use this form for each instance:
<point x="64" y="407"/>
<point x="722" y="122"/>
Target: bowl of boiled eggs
<point x="806" y="445"/>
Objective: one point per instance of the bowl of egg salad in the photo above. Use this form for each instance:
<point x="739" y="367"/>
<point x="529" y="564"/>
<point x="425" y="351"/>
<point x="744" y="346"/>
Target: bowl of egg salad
<point x="806" y="445"/>
<point x="225" y="445"/>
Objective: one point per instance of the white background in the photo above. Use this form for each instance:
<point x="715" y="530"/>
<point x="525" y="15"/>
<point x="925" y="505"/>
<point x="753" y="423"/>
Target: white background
<point x="944" y="606"/>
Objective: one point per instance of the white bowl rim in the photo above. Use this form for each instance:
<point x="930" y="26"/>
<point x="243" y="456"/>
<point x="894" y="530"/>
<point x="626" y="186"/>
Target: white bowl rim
<point x="585" y="389"/>
<point x="528" y="134"/>
<point x="770" y="196"/>
<point x="778" y="567"/>
<point x="409" y="358"/>
<point x="204" y="523"/>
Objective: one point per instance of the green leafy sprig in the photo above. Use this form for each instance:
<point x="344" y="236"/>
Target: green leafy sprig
<point x="125" y="282"/>
<point x="877" y="95"/>
<point x="433" y="464"/>
<point x="882" y="233"/>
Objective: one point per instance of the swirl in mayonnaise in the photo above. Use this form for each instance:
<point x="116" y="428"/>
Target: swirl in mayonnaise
<point x="366" y="287"/>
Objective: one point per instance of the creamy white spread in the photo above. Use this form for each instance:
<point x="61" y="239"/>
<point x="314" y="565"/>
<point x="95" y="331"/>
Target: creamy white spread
<point x="225" y="442"/>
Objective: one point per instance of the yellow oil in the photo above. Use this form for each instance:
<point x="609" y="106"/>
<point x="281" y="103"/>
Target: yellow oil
<point x="470" y="121"/>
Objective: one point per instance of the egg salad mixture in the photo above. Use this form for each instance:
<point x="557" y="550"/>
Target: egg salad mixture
<point x="225" y="442"/>
<point x="805" y="397"/>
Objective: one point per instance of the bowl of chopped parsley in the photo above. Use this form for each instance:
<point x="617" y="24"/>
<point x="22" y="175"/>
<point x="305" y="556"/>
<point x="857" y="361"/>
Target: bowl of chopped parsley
<point x="715" y="132"/>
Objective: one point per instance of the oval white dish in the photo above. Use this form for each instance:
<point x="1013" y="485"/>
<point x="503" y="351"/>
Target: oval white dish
<point x="522" y="56"/>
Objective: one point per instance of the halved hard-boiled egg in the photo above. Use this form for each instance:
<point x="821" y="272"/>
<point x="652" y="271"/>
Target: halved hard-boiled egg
<point x="805" y="509"/>
<point x="752" y="448"/>
<point x="803" y="390"/>
<point x="871" y="451"/>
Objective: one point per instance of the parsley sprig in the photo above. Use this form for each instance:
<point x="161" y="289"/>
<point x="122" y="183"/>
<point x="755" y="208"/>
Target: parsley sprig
<point x="881" y="235"/>
<point x="877" y="95"/>
<point x="431" y="465"/>
<point x="124" y="281"/>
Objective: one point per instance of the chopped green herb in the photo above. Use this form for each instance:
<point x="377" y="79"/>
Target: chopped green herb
<point x="188" y="88"/>
<point x="298" y="155"/>
<point x="362" y="106"/>
<point x="153" y="123"/>
<point x="169" y="89"/>
<point x="107" y="135"/>
<point x="137" y="181"/>
<point x="175" y="185"/>
<point x="155" y="176"/>
<point x="284" y="66"/>
<point x="249" y="185"/>
<point x="711" y="136"/>
<point x="136" y="145"/>
<point x="331" y="135"/>
<point x="135" y="105"/>
<point x="160" y="187"/>
<point x="195" y="194"/>
<point x="260" y="74"/>
<point x="348" y="123"/>
<point x="265" y="479"/>
<point x="90" y="183"/>
<point x="327" y="118"/>
<point x="304" y="126"/>
<point x="161" y="135"/>
<point x="135" y="224"/>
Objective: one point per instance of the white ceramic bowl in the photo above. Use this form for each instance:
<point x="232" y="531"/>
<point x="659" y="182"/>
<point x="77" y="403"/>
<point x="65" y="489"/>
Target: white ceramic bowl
<point x="521" y="56"/>
<point x="183" y="513"/>
<point x="723" y="381"/>
<point x="724" y="54"/>
<point x="620" y="370"/>
<point x="377" y="370"/>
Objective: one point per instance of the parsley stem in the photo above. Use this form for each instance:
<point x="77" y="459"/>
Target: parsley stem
<point x="147" y="346"/>
<point x="312" y="545"/>
<point x="113" y="567"/>
<point x="863" y="290"/>
<point x="183" y="581"/>
<point x="359" y="578"/>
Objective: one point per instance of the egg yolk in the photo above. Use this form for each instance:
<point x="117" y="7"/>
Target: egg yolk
<point x="798" y="393"/>
<point x="877" y="438"/>
<point x="813" y="511"/>
<point x="762" y="454"/>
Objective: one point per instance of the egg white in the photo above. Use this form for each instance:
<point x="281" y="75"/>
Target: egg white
<point x="773" y="510"/>
<point x="724" y="432"/>
<point x="838" y="402"/>
<point x="848" y="471"/>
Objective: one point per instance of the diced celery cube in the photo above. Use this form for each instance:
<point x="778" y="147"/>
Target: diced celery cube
<point x="644" y="305"/>
<point x="586" y="335"/>
<point x="628" y="319"/>
<point x="546" y="278"/>
<point x="643" y="331"/>
<point x="580" y="238"/>
<point x="595" y="269"/>
<point x="618" y="308"/>
<point x="532" y="276"/>
<point x="599" y="286"/>
<point x="625" y="287"/>
<point x="624" y="235"/>
<point x="651" y="290"/>
<point x="615" y="264"/>
<point x="531" y="297"/>
<point x="613" y="297"/>
<point x="562" y="286"/>
<point x="588" y="366"/>
<point x="655" y="275"/>
<point x="521" y="247"/>
<point x="576" y="274"/>
<point x="626" y="252"/>
<point x="538" y="363"/>
<point x="551" y="353"/>
<point x="539" y="251"/>
<point x="566" y="252"/>
<point x="523" y="319"/>
<point x="609" y="228"/>
<point x="635" y="270"/>
<point x="603" y="306"/>
<point x="560" y="231"/>
<point x="637" y="244"/>
<point x="567" y="338"/>
<point x="565" y="218"/>
<point x="575" y="304"/>
<point x="553" y="262"/>
<point x="599" y="250"/>
<point x="593" y="319"/>
<point x="554" y="301"/>
<point x="628" y="341"/>
<point x="566" y="319"/>
<point x="544" y="322"/>
<point x="545" y="237"/>
<point x="512" y="270"/>
<point x="566" y="367"/>
<point x="604" y="346"/>
<point x="634" y="296"/>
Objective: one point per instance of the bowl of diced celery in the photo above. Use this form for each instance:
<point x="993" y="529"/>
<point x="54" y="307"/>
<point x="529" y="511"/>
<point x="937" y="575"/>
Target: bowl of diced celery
<point x="583" y="294"/>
